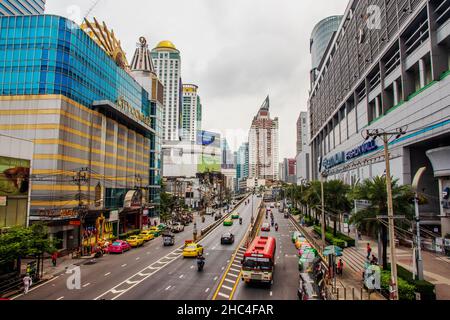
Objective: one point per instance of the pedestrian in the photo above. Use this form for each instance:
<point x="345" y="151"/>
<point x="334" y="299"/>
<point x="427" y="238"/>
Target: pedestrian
<point x="27" y="282"/>
<point x="340" y="267"/>
<point x="369" y="251"/>
<point x="54" y="257"/>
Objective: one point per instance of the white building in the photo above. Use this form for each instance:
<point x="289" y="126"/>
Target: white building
<point x="167" y="63"/>
<point x="191" y="113"/>
<point x="263" y="145"/>
<point x="303" y="158"/>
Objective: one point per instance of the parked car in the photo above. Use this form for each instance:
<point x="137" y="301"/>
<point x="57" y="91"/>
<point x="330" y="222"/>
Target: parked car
<point x="227" y="238"/>
<point x="119" y="246"/>
<point x="135" y="241"/>
<point x="147" y="235"/>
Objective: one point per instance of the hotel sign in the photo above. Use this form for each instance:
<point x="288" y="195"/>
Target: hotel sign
<point x="128" y="109"/>
<point x="343" y="157"/>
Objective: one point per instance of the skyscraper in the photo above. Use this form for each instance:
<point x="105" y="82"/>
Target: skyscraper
<point x="191" y="113"/>
<point x="22" y="7"/>
<point x="167" y="62"/>
<point x="263" y="145"/>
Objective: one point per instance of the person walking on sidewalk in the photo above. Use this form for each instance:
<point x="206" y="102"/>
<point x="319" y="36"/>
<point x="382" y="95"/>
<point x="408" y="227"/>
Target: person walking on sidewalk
<point x="54" y="257"/>
<point x="369" y="251"/>
<point x="340" y="267"/>
<point x="27" y="282"/>
<point x="374" y="260"/>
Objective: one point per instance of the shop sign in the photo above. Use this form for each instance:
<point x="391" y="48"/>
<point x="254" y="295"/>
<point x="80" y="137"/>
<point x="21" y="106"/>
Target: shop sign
<point x="361" y="150"/>
<point x="3" y="201"/>
<point x="127" y="108"/>
<point x="145" y="212"/>
<point x="67" y="213"/>
<point x="75" y="223"/>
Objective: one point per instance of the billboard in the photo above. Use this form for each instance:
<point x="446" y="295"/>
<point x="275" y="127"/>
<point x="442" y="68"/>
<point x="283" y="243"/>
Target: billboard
<point x="14" y="176"/>
<point x="209" y="163"/>
<point x="208" y="139"/>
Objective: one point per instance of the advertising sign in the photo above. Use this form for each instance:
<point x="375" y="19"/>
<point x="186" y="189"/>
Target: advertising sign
<point x="14" y="176"/>
<point x="208" y="139"/>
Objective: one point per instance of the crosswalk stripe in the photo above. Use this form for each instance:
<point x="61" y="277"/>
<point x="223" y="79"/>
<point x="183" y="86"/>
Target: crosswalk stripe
<point x="226" y="287"/>
<point x="224" y="295"/>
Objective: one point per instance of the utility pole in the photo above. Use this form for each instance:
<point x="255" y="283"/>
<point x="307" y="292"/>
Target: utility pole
<point x="386" y="137"/>
<point x="80" y="179"/>
<point x="322" y="177"/>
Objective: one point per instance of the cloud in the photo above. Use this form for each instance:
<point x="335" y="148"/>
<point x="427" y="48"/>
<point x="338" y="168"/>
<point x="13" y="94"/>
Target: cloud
<point x="236" y="51"/>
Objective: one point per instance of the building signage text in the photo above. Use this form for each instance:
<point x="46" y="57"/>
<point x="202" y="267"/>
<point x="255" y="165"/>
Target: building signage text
<point x="343" y="157"/>
<point x="127" y="108"/>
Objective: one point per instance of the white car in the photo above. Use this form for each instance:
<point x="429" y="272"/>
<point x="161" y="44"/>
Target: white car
<point x="177" y="227"/>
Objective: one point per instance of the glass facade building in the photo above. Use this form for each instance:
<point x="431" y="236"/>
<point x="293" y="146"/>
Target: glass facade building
<point x="320" y="38"/>
<point x="21" y="7"/>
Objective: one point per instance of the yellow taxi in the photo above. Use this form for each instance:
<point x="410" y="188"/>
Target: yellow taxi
<point x="135" y="241"/>
<point x="147" y="235"/>
<point x="155" y="231"/>
<point x="192" y="249"/>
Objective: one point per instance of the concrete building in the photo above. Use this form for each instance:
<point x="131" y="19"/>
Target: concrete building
<point x="302" y="132"/>
<point x="264" y="145"/>
<point x="191" y="113"/>
<point x="242" y="166"/>
<point x="289" y="167"/>
<point x="395" y="75"/>
<point x="21" y="7"/>
<point x="16" y="157"/>
<point x="167" y="61"/>
<point x="90" y="122"/>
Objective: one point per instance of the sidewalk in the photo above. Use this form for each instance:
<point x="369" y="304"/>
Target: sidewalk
<point x="349" y="285"/>
<point x="436" y="267"/>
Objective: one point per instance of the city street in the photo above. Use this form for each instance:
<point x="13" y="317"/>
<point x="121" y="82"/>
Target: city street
<point x="286" y="269"/>
<point x="99" y="280"/>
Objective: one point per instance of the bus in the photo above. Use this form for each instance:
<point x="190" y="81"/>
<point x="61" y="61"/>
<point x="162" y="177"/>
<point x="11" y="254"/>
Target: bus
<point x="259" y="261"/>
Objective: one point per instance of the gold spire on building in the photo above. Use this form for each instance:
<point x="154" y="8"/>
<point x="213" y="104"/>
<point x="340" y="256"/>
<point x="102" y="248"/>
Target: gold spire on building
<point x="107" y="40"/>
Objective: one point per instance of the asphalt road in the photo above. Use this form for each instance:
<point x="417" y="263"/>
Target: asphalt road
<point x="181" y="281"/>
<point x="286" y="274"/>
<point x="104" y="276"/>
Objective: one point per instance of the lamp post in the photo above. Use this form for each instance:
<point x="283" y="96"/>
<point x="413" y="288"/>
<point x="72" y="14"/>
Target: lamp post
<point x="322" y="177"/>
<point x="415" y="187"/>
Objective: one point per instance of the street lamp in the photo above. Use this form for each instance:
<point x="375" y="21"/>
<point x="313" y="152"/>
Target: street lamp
<point x="323" y="175"/>
<point x="415" y="187"/>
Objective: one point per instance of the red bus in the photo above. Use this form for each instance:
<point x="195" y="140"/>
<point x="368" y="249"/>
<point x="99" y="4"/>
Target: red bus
<point x="259" y="261"/>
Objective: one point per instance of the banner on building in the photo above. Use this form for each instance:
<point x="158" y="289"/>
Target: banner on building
<point x="14" y="176"/>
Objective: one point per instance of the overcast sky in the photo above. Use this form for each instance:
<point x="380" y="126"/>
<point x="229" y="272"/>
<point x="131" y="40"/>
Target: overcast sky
<point x="236" y="51"/>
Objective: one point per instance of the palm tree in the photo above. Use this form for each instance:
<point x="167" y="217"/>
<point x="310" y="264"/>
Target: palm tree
<point x="374" y="190"/>
<point x="312" y="197"/>
<point x="336" y="200"/>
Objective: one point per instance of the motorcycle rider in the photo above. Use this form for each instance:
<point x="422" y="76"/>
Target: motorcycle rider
<point x="276" y="226"/>
<point x="240" y="220"/>
<point x="200" y="261"/>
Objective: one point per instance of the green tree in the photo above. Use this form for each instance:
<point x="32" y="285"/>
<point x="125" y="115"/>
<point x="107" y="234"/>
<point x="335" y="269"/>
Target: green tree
<point x="167" y="205"/>
<point x="374" y="190"/>
<point x="336" y="200"/>
<point x="21" y="242"/>
<point x="312" y="197"/>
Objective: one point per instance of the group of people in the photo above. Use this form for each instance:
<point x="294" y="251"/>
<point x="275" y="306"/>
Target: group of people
<point x="371" y="257"/>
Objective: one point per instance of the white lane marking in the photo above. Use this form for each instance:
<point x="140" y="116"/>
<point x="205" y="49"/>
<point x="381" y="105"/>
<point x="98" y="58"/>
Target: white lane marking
<point x="124" y="265"/>
<point x="107" y="274"/>
<point x="207" y="290"/>
<point x="233" y="275"/>
<point x="84" y="286"/>
<point x="231" y="281"/>
<point x="182" y="276"/>
<point x="271" y="293"/>
<point x="223" y="268"/>
<point x="60" y="298"/>
<point x="207" y="253"/>
<point x="168" y="288"/>
<point x="224" y="295"/>
<point x="32" y="289"/>
<point x="192" y="267"/>
<point x="226" y="287"/>
<point x="233" y="269"/>
<point x="236" y="265"/>
<point x="213" y="248"/>
<point x="215" y="278"/>
<point x="138" y="258"/>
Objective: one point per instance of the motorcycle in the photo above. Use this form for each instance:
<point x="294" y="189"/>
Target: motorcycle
<point x="240" y="221"/>
<point x="276" y="227"/>
<point x="200" y="264"/>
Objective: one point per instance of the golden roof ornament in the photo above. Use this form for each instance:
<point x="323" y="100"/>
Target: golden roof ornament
<point x="107" y="40"/>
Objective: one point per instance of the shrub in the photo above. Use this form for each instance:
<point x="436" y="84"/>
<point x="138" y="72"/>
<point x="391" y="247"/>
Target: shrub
<point x="406" y="291"/>
<point x="339" y="241"/>
<point x="425" y="288"/>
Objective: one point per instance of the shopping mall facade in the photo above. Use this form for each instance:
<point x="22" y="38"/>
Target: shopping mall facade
<point x="94" y="128"/>
<point x="387" y="72"/>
